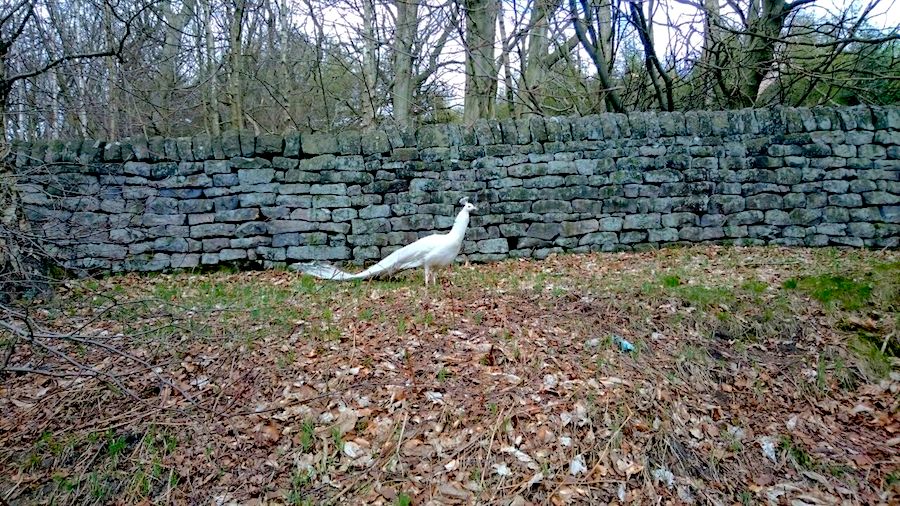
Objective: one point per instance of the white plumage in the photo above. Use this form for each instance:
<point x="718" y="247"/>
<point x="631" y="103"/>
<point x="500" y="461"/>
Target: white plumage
<point x="431" y="252"/>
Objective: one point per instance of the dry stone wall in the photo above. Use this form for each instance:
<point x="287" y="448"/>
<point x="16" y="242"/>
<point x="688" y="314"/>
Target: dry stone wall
<point x="804" y="177"/>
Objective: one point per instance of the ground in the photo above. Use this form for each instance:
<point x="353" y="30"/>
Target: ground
<point x="695" y="375"/>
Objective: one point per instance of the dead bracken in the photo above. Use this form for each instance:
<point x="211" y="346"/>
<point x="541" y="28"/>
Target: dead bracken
<point x="755" y="375"/>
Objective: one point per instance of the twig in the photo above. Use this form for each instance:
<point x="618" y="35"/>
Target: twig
<point x="90" y="371"/>
<point x="42" y="372"/>
<point x="400" y="438"/>
<point x="33" y="337"/>
<point x="887" y="338"/>
<point x="487" y="457"/>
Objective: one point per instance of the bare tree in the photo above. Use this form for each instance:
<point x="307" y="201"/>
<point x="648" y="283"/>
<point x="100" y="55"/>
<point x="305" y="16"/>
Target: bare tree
<point x="655" y="70"/>
<point x="590" y="22"/>
<point x="481" y="70"/>
<point x="29" y="50"/>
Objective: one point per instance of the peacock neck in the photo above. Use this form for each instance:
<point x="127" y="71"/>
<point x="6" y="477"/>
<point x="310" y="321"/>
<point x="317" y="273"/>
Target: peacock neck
<point x="460" y="225"/>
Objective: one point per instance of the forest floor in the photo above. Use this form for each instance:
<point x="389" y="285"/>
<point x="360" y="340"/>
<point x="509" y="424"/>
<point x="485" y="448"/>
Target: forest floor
<point x="756" y="375"/>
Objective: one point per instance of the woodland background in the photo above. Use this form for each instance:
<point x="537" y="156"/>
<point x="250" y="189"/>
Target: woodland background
<point x="111" y="69"/>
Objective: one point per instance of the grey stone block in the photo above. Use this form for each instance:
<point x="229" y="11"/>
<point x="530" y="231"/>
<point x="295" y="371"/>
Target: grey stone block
<point x="415" y="222"/>
<point x="788" y="175"/>
<point x="171" y="245"/>
<point x="662" y="176"/>
<point x="726" y="204"/>
<point x="745" y="218"/>
<point x="212" y="167"/>
<point x="712" y="220"/>
<point x="777" y="217"/>
<point x="695" y="234"/>
<point x="313" y="215"/>
<point x="736" y="231"/>
<point x="257" y="199"/>
<point x="676" y="220"/>
<point x="370" y="226"/>
<point x="642" y="221"/>
<point x="318" y="253"/>
<point x="251" y="228"/>
<point x="286" y="226"/>
<point x="493" y="246"/>
<point x="663" y="235"/>
<point x="598" y="238"/>
<point x="341" y="215"/>
<point x="331" y="201"/>
<point x="184" y="260"/>
<point x="198" y="219"/>
<point x="845" y="200"/>
<point x="141" y="169"/>
<point x="545" y="231"/>
<point x="832" y="186"/>
<point x="318" y="143"/>
<point x="230" y="255"/>
<point x="880" y="198"/>
<point x="375" y="211"/>
<point x="256" y="176"/>
<point x="765" y="201"/>
<point x="835" y="229"/>
<point x="289" y="239"/>
<point x="860" y="229"/>
<point x="855" y="242"/>
<point x="551" y="206"/>
<point x="576" y="228"/>
<point x="195" y="206"/>
<point x="805" y="216"/>
<point x="632" y="236"/>
<point x="231" y="143"/>
<point x="149" y="220"/>
<point x="248" y="142"/>
<point x="211" y="230"/>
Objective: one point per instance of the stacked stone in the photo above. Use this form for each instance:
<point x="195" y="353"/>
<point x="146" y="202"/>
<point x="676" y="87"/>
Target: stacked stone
<point x="610" y="182"/>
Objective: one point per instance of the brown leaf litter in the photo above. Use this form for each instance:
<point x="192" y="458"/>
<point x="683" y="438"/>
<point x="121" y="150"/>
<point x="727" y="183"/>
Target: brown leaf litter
<point x="504" y="386"/>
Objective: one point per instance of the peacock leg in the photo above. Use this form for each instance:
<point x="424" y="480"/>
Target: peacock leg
<point x="427" y="273"/>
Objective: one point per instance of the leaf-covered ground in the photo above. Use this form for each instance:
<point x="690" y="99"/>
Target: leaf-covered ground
<point x="756" y="375"/>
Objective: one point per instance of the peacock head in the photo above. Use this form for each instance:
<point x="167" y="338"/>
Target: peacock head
<point x="467" y="206"/>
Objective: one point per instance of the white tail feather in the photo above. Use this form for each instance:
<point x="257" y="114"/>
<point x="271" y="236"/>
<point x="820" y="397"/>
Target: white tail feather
<point x="325" y="271"/>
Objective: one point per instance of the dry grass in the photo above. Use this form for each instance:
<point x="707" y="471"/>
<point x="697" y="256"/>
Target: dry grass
<point x="503" y="385"/>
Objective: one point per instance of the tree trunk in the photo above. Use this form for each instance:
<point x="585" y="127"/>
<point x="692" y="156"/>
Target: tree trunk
<point x="404" y="39"/>
<point x="161" y="98"/>
<point x="655" y="70"/>
<point x="481" y="74"/>
<point x="369" y="65"/>
<point x="286" y="86"/>
<point x="708" y="62"/>
<point x="112" y="86"/>
<point x="764" y="24"/>
<point x="510" y="91"/>
<point x="20" y="266"/>
<point x="236" y="67"/>
<point x="594" y="46"/>
<point x="212" y="78"/>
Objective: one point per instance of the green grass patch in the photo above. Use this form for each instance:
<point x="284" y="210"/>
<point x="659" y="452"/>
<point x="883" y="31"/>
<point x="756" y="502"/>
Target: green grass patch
<point x="755" y="287"/>
<point x="307" y="435"/>
<point x="671" y="281"/>
<point x="875" y="364"/>
<point x="846" y="293"/>
<point x="801" y="458"/>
